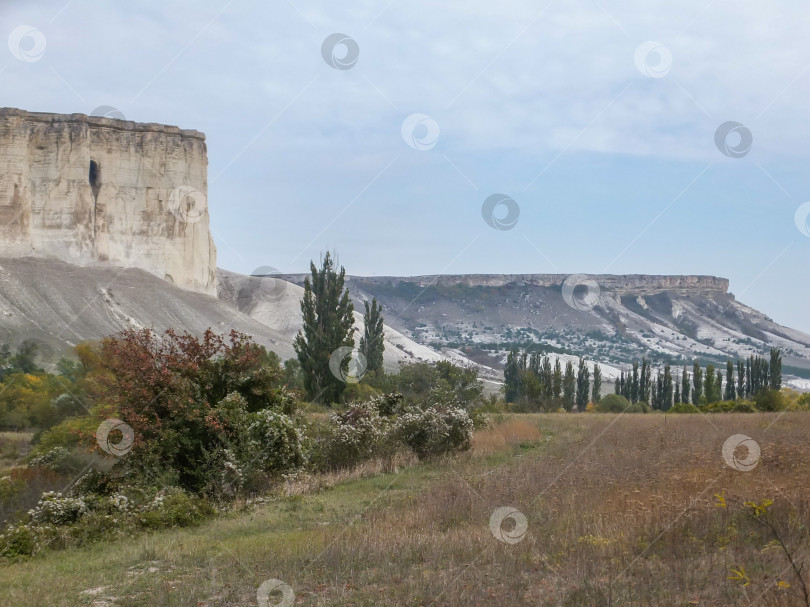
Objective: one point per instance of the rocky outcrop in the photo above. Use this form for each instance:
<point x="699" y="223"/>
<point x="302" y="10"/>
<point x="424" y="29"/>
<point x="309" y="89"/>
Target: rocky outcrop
<point x="96" y="191"/>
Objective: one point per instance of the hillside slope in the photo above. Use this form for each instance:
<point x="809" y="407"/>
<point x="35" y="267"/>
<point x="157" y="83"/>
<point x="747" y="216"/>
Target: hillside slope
<point x="59" y="305"/>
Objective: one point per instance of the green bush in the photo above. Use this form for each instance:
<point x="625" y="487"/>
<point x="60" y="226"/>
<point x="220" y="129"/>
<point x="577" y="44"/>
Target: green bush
<point x="274" y="443"/>
<point x="350" y="437"/>
<point x="435" y="430"/>
<point x="769" y="400"/>
<point x="683" y="408"/>
<point x="638" y="408"/>
<point x="174" y="508"/>
<point x="613" y="403"/>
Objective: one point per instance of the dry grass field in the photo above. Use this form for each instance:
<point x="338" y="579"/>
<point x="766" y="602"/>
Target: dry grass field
<point x="619" y="510"/>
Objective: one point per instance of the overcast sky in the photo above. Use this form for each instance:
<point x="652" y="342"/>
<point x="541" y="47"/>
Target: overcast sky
<point x="598" y="119"/>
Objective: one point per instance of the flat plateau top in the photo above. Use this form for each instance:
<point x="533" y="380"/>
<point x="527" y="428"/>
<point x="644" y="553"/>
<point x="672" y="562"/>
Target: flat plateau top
<point x="100" y="121"/>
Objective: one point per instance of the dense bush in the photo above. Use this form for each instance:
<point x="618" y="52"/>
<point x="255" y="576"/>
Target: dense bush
<point x="424" y="384"/>
<point x="769" y="400"/>
<point x="60" y="521"/>
<point x="613" y="403"/>
<point x="434" y="430"/>
<point x="683" y="408"/>
<point x="274" y="443"/>
<point x="351" y="437"/>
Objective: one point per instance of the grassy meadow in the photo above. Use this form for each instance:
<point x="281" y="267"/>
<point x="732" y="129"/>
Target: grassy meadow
<point x="620" y="510"/>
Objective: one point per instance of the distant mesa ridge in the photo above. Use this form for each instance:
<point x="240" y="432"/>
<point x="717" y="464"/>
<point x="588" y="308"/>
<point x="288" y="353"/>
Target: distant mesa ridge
<point x="610" y="282"/>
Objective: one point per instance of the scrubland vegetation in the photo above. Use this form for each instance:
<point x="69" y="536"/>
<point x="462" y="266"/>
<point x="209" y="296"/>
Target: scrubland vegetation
<point x="630" y="509"/>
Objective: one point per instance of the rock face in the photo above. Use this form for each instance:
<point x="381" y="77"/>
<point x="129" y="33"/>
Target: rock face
<point x="621" y="283"/>
<point x="95" y="191"/>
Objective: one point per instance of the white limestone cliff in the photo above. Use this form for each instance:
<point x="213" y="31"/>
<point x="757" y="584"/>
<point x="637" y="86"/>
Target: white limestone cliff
<point x="96" y="191"/>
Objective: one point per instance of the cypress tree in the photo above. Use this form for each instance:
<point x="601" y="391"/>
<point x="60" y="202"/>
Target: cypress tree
<point x="645" y="382"/>
<point x="328" y="316"/>
<point x="583" y="384"/>
<point x="776" y="369"/>
<point x="658" y="395"/>
<point x="569" y="387"/>
<point x="511" y="378"/>
<point x="557" y="381"/>
<point x="749" y="379"/>
<point x="372" y="344"/>
<point x="617" y="386"/>
<point x="677" y="392"/>
<point x="708" y="385"/>
<point x="697" y="383"/>
<point x="634" y="385"/>
<point x="731" y="391"/>
<point x="547" y="378"/>
<point x="740" y="380"/>
<point x="628" y="386"/>
<point x="718" y="385"/>
<point x="685" y="386"/>
<point x="596" y="394"/>
<point x="667" y="395"/>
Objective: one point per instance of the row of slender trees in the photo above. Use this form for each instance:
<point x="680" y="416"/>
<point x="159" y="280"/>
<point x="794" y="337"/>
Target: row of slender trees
<point x="532" y="378"/>
<point x="752" y="377"/>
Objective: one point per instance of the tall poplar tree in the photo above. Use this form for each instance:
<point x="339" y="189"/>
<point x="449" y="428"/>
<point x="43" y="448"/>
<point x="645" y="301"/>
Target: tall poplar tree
<point x="740" y="380"/>
<point x="372" y="344"/>
<point x="596" y="394"/>
<point x="697" y="383"/>
<point x="731" y="391"/>
<point x="685" y="386"/>
<point x="776" y="369"/>
<point x="583" y="385"/>
<point x="328" y="316"/>
<point x="511" y="378"/>
<point x="667" y="391"/>
<point x="709" y="385"/>
<point x="569" y="386"/>
<point x="557" y="379"/>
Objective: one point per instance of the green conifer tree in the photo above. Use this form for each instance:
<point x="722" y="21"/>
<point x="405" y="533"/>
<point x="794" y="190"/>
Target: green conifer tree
<point x="372" y="344"/>
<point x="328" y="316"/>
<point x="596" y="394"/>
<point x="569" y="387"/>
<point x="697" y="384"/>
<point x="685" y="386"/>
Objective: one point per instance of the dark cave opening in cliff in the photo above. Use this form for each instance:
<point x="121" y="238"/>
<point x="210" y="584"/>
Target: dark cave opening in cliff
<point x="95" y="177"/>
